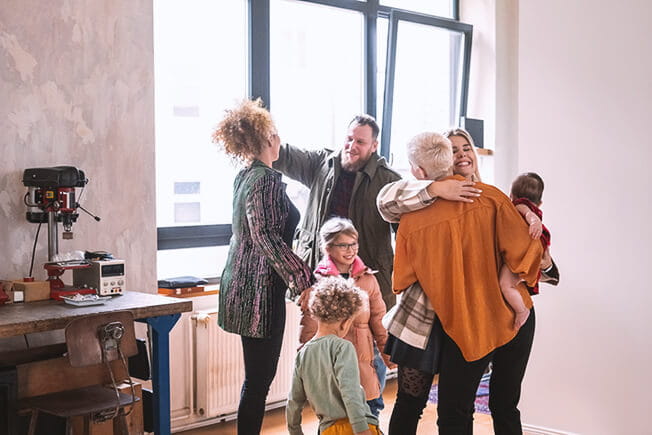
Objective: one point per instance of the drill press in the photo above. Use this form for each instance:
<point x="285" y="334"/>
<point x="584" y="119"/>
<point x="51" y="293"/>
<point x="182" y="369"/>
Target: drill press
<point x="51" y="199"/>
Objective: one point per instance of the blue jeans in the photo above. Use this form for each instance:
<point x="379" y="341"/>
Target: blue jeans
<point x="376" y="405"/>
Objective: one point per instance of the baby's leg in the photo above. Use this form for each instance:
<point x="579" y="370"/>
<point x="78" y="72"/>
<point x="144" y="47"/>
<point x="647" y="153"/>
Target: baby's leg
<point x="508" y="282"/>
<point x="508" y="279"/>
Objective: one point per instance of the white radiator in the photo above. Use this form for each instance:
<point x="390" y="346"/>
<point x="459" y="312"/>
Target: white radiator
<point x="220" y="368"/>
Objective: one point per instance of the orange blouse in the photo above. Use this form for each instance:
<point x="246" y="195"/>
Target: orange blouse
<point x="455" y="250"/>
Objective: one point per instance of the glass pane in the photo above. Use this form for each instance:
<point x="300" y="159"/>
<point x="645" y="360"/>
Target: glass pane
<point x="317" y="75"/>
<point x="200" y="49"/>
<point x="440" y="8"/>
<point x="205" y="262"/>
<point x="424" y="86"/>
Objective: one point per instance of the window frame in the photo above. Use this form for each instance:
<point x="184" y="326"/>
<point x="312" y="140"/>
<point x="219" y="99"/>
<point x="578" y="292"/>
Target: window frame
<point x="465" y="30"/>
<point x="259" y="86"/>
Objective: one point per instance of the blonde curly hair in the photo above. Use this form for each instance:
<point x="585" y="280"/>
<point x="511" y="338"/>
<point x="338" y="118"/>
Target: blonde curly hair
<point x="334" y="299"/>
<point x="244" y="131"/>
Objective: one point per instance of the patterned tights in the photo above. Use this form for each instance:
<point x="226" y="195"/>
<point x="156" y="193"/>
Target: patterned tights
<point x="413" y="390"/>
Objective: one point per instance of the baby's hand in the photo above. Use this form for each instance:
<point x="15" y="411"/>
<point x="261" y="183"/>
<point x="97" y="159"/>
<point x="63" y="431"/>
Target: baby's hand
<point x="535" y="229"/>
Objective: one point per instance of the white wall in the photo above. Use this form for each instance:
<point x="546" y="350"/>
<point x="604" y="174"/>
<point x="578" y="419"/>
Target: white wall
<point x="585" y="108"/>
<point x="76" y="88"/>
<point x="493" y="94"/>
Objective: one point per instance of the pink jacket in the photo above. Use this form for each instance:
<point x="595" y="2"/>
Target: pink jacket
<point x="367" y="326"/>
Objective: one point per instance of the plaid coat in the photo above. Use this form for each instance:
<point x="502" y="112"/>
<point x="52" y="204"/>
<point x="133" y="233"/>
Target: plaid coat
<point x="412" y="318"/>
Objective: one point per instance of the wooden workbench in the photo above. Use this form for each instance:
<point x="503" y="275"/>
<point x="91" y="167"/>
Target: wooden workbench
<point x="26" y="318"/>
<point x="160" y="313"/>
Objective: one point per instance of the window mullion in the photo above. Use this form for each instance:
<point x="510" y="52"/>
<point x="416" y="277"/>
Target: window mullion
<point x="258" y="41"/>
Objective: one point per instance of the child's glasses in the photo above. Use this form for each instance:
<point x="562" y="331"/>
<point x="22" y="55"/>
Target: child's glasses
<point x="346" y="246"/>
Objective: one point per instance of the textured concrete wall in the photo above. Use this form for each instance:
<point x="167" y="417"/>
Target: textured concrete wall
<point x="76" y="88"/>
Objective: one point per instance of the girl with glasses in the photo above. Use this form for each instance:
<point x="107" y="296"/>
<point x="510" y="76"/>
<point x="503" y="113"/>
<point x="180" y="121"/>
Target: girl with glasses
<point x="339" y="245"/>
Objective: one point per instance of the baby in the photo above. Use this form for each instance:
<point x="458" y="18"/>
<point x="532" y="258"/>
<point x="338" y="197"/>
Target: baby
<point x="526" y="193"/>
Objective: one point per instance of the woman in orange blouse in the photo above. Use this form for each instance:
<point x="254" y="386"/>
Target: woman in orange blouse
<point x="456" y="249"/>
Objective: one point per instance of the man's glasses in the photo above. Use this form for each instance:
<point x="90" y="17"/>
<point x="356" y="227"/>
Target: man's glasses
<point x="346" y="246"/>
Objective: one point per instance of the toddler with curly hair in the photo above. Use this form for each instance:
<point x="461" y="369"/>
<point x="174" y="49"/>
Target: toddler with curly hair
<point x="326" y="369"/>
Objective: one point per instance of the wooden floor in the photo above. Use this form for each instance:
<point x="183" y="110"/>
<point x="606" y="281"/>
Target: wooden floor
<point x="274" y="422"/>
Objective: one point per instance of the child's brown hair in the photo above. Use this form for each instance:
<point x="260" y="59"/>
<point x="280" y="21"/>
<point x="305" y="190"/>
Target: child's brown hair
<point x="528" y="185"/>
<point x="333" y="299"/>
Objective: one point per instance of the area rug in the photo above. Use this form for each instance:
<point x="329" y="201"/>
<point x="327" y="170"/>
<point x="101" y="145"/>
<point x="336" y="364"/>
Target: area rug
<point x="481" y="397"/>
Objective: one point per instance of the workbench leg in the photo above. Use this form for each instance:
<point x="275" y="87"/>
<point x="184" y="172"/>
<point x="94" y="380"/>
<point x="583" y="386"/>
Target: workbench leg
<point x="160" y="328"/>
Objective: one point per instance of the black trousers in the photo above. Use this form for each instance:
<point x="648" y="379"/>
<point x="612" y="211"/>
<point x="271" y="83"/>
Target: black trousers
<point x="261" y="357"/>
<point x="459" y="379"/>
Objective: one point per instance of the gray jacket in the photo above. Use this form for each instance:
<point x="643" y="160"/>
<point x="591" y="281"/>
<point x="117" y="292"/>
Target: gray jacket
<point x="319" y="171"/>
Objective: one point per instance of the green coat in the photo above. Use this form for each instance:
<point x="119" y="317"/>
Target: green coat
<point x="319" y="171"/>
<point x="259" y="255"/>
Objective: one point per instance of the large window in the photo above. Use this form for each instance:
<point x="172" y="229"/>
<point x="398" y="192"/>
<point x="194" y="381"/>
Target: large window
<point x="200" y="49"/>
<point x="315" y="63"/>
<point x="317" y="76"/>
<point x="423" y="81"/>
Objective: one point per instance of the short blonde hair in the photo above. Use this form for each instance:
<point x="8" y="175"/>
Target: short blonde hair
<point x="244" y="130"/>
<point x="332" y="229"/>
<point x="432" y="152"/>
<point x="334" y="299"/>
<point x="466" y="135"/>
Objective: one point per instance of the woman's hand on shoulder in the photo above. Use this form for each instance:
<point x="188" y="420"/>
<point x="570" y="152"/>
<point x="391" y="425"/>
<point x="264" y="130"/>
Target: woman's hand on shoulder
<point x="454" y="190"/>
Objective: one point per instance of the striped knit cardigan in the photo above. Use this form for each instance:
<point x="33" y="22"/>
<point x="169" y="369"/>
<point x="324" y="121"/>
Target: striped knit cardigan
<point x="256" y="251"/>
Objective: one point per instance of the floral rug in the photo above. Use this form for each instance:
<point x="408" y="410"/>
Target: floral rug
<point x="481" y="397"/>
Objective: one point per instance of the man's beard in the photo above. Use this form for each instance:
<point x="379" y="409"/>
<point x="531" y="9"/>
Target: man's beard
<point x="350" y="166"/>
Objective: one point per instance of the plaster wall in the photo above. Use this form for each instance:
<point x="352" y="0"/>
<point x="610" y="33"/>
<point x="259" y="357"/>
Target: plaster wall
<point x="76" y="88"/>
<point x="585" y="104"/>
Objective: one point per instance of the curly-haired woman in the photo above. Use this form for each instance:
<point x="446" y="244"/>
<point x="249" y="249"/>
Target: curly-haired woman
<point x="260" y="266"/>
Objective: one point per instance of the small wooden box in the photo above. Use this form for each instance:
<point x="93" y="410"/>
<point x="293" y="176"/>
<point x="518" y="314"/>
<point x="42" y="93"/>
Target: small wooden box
<point x="33" y="291"/>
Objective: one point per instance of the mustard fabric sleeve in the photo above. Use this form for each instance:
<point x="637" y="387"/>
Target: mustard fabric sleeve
<point x="520" y="252"/>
